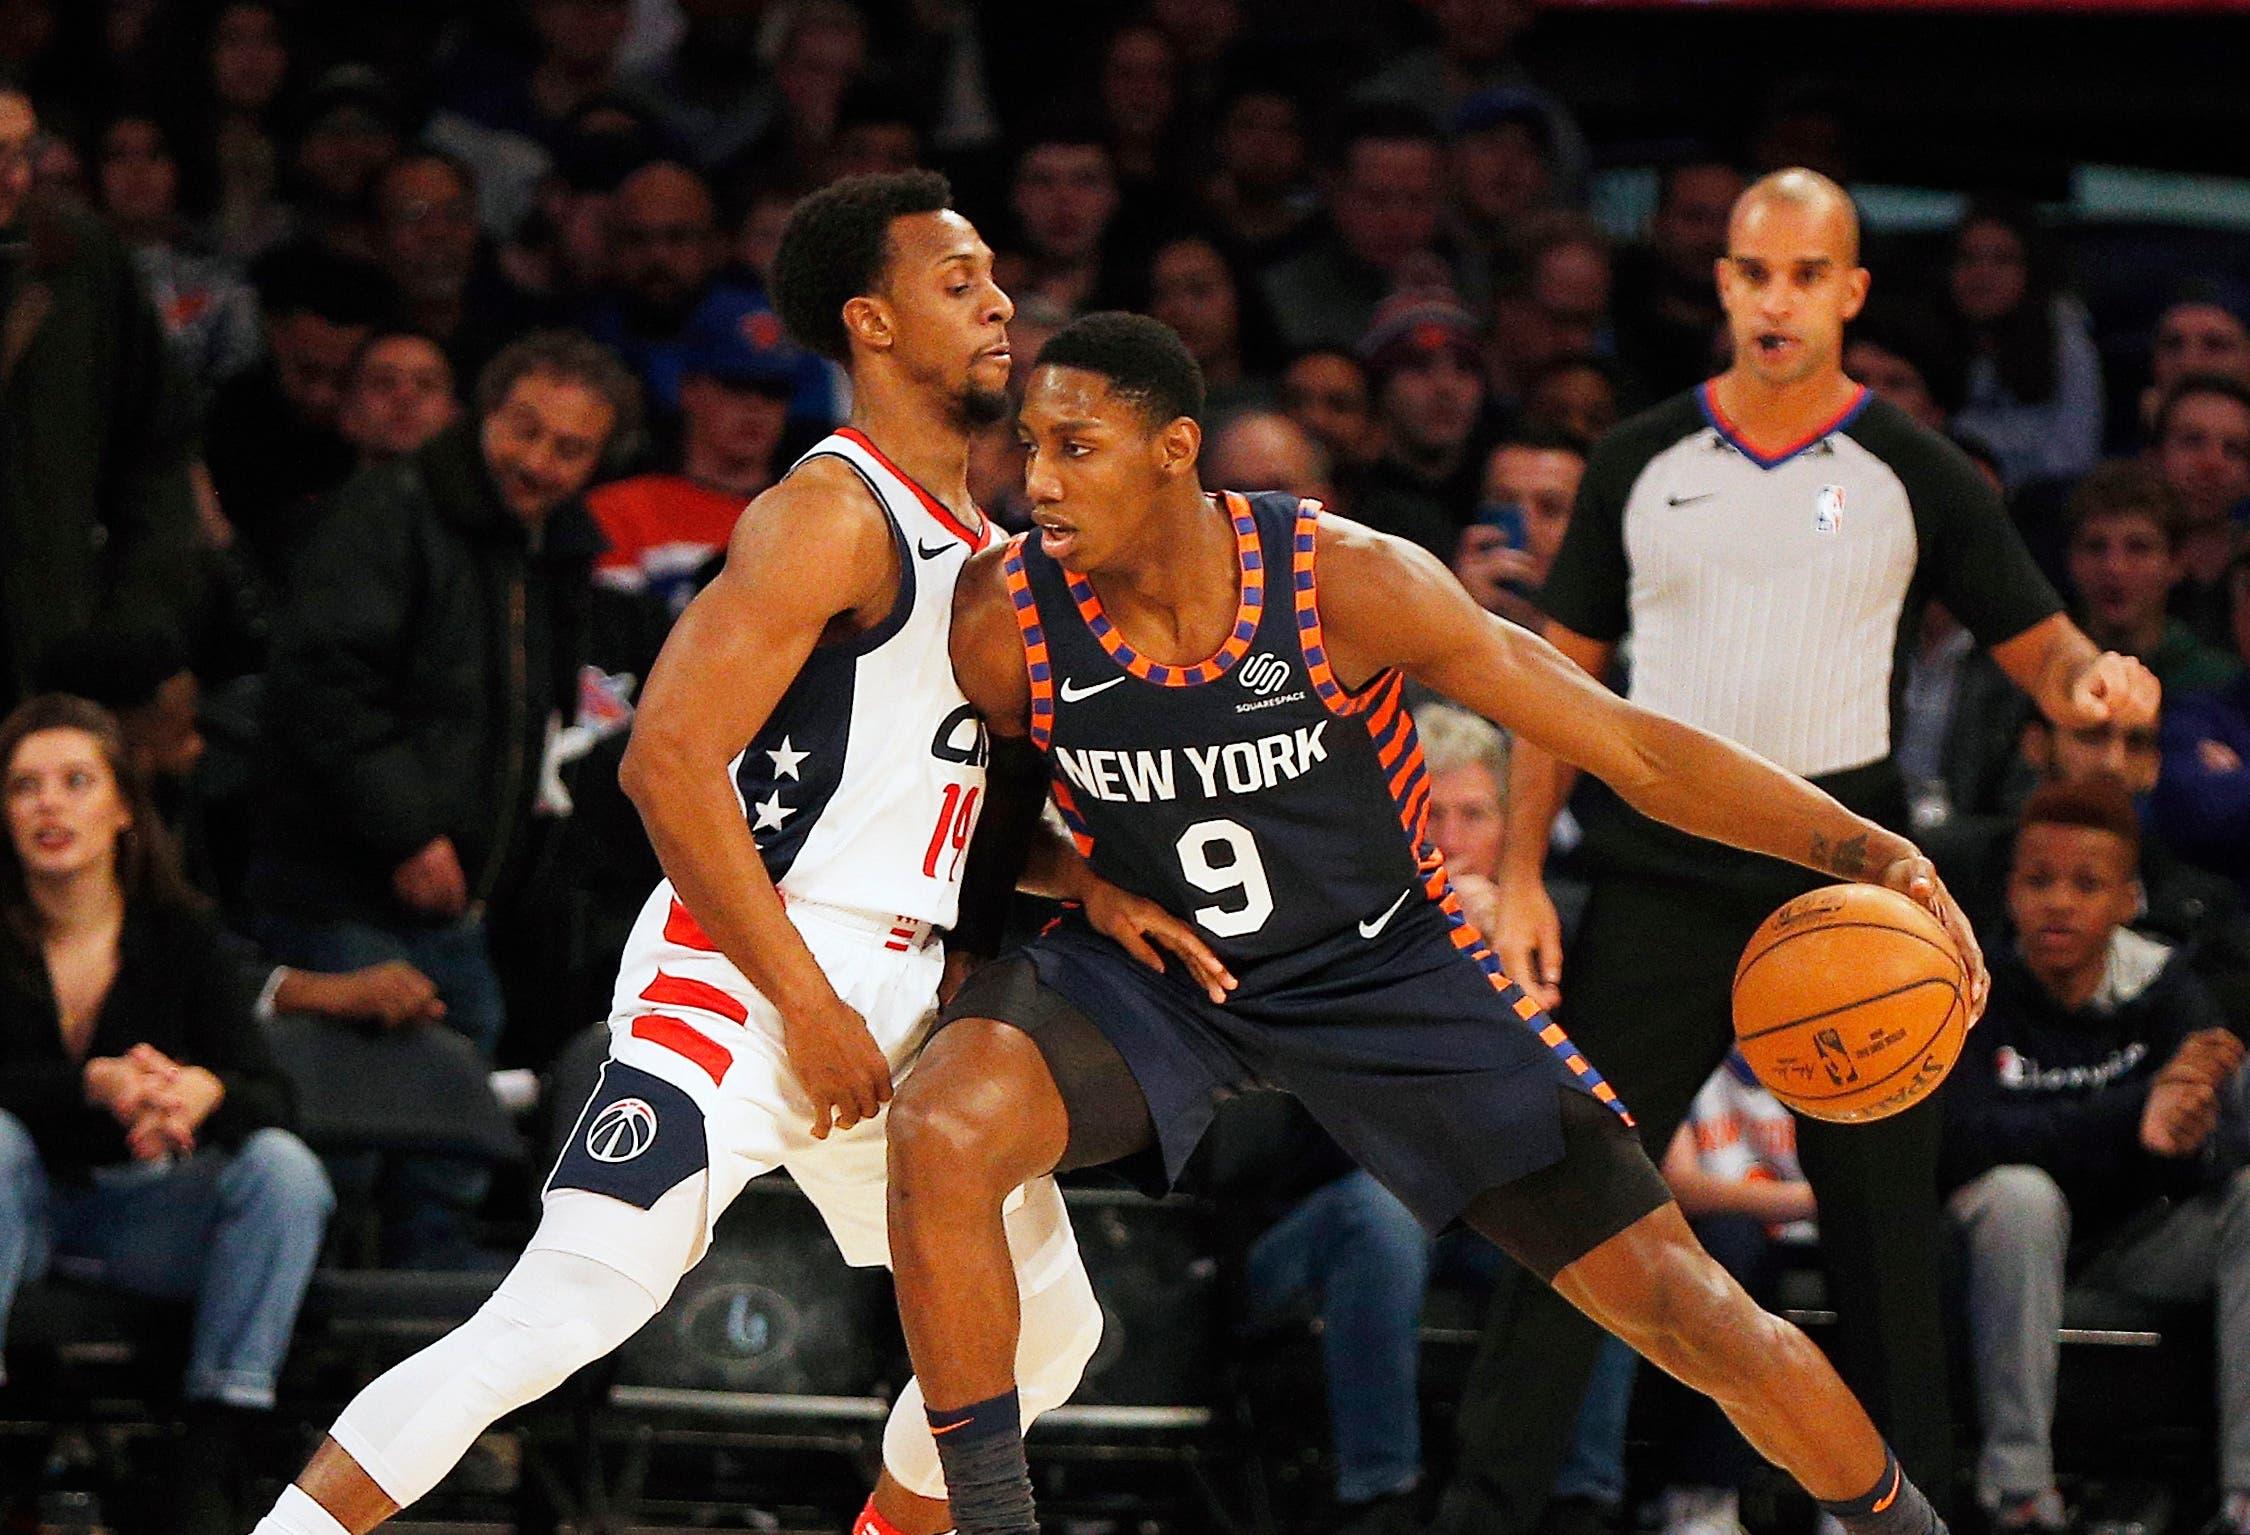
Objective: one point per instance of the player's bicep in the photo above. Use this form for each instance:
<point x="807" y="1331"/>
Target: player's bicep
<point x="987" y="647"/>
<point x="744" y="638"/>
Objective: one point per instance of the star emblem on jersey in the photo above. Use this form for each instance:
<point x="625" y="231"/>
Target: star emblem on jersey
<point x="1072" y="691"/>
<point x="785" y="761"/>
<point x="771" y="813"/>
<point x="622" y="1131"/>
<point x="1375" y="928"/>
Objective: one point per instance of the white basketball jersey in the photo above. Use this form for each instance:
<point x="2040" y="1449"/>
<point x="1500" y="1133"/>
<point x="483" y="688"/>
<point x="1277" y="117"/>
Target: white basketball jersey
<point x="863" y="787"/>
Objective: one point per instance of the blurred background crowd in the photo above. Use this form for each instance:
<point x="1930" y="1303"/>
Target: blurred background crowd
<point x="378" y="382"/>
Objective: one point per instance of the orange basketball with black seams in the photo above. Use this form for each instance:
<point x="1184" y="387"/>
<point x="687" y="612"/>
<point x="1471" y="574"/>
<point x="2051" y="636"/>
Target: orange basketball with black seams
<point x="1850" y="1004"/>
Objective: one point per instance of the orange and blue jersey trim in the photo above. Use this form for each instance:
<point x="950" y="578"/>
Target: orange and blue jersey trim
<point x="1304" y="580"/>
<point x="1039" y="667"/>
<point x="1250" y="604"/>
<point x="1709" y="400"/>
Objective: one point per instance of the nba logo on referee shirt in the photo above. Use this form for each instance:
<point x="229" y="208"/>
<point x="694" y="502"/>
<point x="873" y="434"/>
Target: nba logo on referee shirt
<point x="1828" y="510"/>
<point x="621" y="1131"/>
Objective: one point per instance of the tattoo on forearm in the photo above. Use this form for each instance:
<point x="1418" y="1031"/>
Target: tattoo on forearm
<point x="1848" y="857"/>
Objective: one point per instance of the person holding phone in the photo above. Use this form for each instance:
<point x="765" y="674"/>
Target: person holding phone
<point x="1530" y="483"/>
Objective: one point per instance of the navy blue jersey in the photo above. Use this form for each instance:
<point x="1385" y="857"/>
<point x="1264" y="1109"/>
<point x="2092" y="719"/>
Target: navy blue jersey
<point x="1249" y="792"/>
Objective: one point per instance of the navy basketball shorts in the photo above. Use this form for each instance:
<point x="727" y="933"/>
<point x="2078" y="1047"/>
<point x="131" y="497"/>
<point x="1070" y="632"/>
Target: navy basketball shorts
<point x="1441" y="1084"/>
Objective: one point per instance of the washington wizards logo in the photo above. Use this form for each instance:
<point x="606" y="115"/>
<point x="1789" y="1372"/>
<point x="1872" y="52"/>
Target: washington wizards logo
<point x="622" y="1131"/>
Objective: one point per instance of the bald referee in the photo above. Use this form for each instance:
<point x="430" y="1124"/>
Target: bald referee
<point x="1767" y="541"/>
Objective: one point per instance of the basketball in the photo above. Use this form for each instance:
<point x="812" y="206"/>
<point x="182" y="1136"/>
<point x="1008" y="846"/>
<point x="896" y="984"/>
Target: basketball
<point x="1849" y="1003"/>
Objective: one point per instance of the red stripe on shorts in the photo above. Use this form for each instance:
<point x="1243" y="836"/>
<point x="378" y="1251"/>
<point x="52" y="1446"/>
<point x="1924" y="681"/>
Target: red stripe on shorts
<point x="680" y="927"/>
<point x="677" y="1037"/>
<point x="681" y="991"/>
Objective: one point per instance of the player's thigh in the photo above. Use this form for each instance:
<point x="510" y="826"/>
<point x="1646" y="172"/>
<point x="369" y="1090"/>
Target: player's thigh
<point x="1602" y="1185"/>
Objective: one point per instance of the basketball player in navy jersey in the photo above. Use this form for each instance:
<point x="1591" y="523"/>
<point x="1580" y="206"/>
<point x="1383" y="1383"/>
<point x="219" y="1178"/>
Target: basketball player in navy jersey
<point x="1216" y="681"/>
<point x="810" y="775"/>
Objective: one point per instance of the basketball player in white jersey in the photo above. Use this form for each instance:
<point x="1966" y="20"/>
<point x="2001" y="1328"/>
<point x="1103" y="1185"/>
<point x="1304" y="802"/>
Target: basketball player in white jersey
<point x="810" y="775"/>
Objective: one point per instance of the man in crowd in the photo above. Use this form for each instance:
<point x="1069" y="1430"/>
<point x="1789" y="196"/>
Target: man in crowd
<point x="96" y="513"/>
<point x="2202" y="330"/>
<point x="1429" y="399"/>
<point x="2201" y="447"/>
<point x="1669" y="325"/>
<point x="397" y="396"/>
<point x="2086" y="1114"/>
<point x="1530" y="485"/>
<point x="1065" y="199"/>
<point x="448" y="285"/>
<point x="430" y="643"/>
<point x="2124" y="560"/>
<point x="1387" y="193"/>
<point x="1266" y="450"/>
<point x="1550" y="301"/>
<point x="1327" y="392"/>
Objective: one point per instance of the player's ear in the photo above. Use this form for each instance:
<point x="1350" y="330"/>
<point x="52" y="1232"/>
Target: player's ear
<point x="1178" y="445"/>
<point x="868" y="319"/>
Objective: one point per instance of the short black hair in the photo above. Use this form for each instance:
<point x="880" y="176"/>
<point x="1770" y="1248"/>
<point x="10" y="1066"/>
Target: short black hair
<point x="1537" y="437"/>
<point x="1144" y="360"/>
<point x="835" y="246"/>
<point x="572" y="355"/>
<point x="2188" y="388"/>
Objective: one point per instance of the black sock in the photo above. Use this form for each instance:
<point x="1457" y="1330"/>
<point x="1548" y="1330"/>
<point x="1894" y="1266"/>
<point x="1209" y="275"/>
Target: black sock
<point x="980" y="1446"/>
<point x="1893" y="1506"/>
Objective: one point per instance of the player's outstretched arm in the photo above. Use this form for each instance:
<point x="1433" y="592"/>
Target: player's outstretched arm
<point x="1385" y="603"/>
<point x="810" y="554"/>
<point x="1015" y="841"/>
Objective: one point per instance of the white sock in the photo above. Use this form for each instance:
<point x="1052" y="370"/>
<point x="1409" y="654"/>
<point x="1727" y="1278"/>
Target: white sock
<point x="295" y="1513"/>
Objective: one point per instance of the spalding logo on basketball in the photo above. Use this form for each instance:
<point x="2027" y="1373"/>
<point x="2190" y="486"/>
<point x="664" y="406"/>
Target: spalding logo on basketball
<point x="622" y="1131"/>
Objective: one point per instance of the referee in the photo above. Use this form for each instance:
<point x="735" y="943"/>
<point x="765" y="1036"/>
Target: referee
<point x="1768" y="541"/>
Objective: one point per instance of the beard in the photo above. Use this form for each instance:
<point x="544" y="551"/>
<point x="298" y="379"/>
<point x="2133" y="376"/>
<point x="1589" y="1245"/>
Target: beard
<point x="984" y="407"/>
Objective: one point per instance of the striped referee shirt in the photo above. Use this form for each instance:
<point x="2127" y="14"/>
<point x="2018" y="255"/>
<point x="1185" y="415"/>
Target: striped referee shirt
<point x="1772" y="599"/>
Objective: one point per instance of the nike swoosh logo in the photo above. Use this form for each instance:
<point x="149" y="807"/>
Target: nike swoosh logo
<point x="1072" y="692"/>
<point x="1898" y="1477"/>
<point x="1684" y="500"/>
<point x="928" y="553"/>
<point x="1371" y="929"/>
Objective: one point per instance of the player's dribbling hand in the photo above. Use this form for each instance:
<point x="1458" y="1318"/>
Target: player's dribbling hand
<point x="1527" y="935"/>
<point x="2117" y="690"/>
<point x="838" y="1064"/>
<point x="1138" y="926"/>
<point x="1917" y="879"/>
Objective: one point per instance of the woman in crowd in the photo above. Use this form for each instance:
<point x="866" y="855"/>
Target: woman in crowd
<point x="141" y="1137"/>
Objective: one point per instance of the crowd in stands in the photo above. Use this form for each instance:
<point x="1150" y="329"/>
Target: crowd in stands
<point x="378" y="383"/>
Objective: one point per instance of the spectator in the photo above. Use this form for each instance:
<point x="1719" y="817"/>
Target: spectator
<point x="1467" y="756"/>
<point x="1895" y="353"/>
<point x="2027" y="374"/>
<point x="142" y="1124"/>
<point x="877" y="134"/>
<point x="448" y="285"/>
<point x="1530" y="485"/>
<point x="1266" y="450"/>
<point x="1429" y="395"/>
<point x="1193" y="288"/>
<point x="1259" y="196"/>
<point x="2202" y="800"/>
<point x="2202" y="449"/>
<point x="1576" y="395"/>
<point x="1139" y="93"/>
<point x="96" y="509"/>
<point x="1065" y="199"/>
<point x="1550" y="301"/>
<point x="1733" y="1167"/>
<point x="248" y="64"/>
<point x="1501" y="172"/>
<point x="1327" y="391"/>
<point x="272" y="440"/>
<point x="2124" y="559"/>
<point x="757" y="233"/>
<point x="2200" y="332"/>
<point x="349" y="126"/>
<point x="2080" y="1120"/>
<point x="1669" y="325"/>
<point x="665" y="259"/>
<point x="398" y="394"/>
<point x="533" y="95"/>
<point x="823" y="54"/>
<point x="1474" y="52"/>
<point x="1384" y="205"/>
<point x="711" y="93"/>
<point x="207" y="309"/>
<point x="432" y="636"/>
<point x="663" y="529"/>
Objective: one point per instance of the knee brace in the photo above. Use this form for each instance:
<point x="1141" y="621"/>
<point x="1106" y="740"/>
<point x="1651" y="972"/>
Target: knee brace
<point x="1060" y="1329"/>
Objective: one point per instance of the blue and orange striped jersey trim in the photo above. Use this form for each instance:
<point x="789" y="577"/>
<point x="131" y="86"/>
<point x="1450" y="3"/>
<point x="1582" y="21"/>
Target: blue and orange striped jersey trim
<point x="1250" y="604"/>
<point x="1304" y="581"/>
<point x="1038" y="667"/>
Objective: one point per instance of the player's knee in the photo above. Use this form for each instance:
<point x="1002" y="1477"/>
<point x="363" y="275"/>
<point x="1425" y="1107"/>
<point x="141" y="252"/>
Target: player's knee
<point x="552" y="1319"/>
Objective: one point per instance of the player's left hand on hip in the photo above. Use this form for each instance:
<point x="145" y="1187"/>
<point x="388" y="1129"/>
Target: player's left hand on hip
<point x="1917" y="879"/>
<point x="2116" y="689"/>
<point x="1140" y="926"/>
